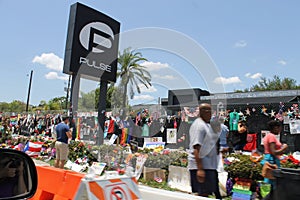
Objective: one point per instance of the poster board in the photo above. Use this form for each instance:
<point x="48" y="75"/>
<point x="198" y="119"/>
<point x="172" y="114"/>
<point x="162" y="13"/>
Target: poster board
<point x="294" y="126"/>
<point x="98" y="167"/>
<point x="140" y="161"/>
<point x="172" y="135"/>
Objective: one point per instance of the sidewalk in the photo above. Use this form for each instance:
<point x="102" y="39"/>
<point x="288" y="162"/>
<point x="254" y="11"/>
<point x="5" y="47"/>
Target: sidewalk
<point x="148" y="193"/>
<point x="40" y="163"/>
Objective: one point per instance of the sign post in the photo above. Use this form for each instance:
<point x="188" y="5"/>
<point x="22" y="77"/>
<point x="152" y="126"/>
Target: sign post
<point x="101" y="111"/>
<point x="92" y="53"/>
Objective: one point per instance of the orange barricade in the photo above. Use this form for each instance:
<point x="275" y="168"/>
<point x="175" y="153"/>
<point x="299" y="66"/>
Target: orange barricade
<point x="107" y="189"/>
<point x="56" y="184"/>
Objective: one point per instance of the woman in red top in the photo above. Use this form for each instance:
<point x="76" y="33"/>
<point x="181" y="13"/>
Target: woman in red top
<point x="273" y="148"/>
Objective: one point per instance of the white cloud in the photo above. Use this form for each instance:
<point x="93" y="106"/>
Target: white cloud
<point x="154" y="66"/>
<point x="54" y="75"/>
<point x="253" y="76"/>
<point x="240" y="44"/>
<point x="225" y="81"/>
<point x="50" y="60"/>
<point x="143" y="98"/>
<point x="282" y="62"/>
<point x="149" y="89"/>
<point x="165" y="77"/>
<point x="157" y="66"/>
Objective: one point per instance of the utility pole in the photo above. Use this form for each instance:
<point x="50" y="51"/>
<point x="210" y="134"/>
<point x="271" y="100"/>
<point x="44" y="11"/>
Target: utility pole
<point x="29" y="88"/>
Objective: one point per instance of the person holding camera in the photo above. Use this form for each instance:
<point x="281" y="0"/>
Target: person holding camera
<point x="12" y="181"/>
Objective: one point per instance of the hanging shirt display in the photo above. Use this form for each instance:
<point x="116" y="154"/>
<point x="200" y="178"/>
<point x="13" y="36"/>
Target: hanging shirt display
<point x="145" y="128"/>
<point x="251" y="142"/>
<point x="233" y="121"/>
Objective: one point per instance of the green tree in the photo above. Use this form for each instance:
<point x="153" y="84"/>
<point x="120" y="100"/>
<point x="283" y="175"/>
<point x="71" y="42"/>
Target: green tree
<point x="110" y="91"/>
<point x="276" y="83"/>
<point x="87" y="101"/>
<point x="288" y="83"/>
<point x="17" y="106"/>
<point x="132" y="73"/>
<point x="117" y="98"/>
<point x="110" y="96"/>
<point x="43" y="105"/>
<point x="61" y="101"/>
<point x="4" y="106"/>
<point x="54" y="105"/>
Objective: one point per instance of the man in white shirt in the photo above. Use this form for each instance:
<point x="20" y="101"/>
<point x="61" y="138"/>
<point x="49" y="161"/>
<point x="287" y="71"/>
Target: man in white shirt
<point x="203" y="154"/>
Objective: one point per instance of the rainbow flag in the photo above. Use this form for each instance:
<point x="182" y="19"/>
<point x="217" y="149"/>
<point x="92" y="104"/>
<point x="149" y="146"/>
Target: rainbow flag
<point x="124" y="135"/>
<point x="13" y="120"/>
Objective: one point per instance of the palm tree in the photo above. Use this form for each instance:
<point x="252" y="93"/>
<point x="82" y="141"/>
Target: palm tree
<point x="132" y="73"/>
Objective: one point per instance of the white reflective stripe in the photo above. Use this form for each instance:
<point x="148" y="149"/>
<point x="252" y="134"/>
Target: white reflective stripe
<point x="125" y="184"/>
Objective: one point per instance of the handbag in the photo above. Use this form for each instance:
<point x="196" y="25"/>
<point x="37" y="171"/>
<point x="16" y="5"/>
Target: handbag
<point x="267" y="170"/>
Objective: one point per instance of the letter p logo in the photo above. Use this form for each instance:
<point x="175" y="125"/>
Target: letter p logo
<point x="96" y="37"/>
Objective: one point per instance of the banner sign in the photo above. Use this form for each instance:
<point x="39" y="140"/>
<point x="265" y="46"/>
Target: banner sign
<point x="153" y="145"/>
<point x="153" y="139"/>
<point x="92" y="44"/>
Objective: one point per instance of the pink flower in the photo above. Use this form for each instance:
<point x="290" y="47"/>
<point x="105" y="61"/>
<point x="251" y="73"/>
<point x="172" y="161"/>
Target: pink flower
<point x="166" y="152"/>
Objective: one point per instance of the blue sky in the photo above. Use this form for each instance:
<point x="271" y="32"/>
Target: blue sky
<point x="231" y="43"/>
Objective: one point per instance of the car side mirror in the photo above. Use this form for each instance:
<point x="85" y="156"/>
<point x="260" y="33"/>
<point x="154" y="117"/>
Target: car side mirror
<point x="18" y="175"/>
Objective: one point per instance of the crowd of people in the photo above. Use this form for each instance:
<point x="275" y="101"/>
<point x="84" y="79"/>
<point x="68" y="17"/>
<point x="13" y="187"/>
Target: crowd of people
<point x="29" y="124"/>
<point x="208" y="136"/>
